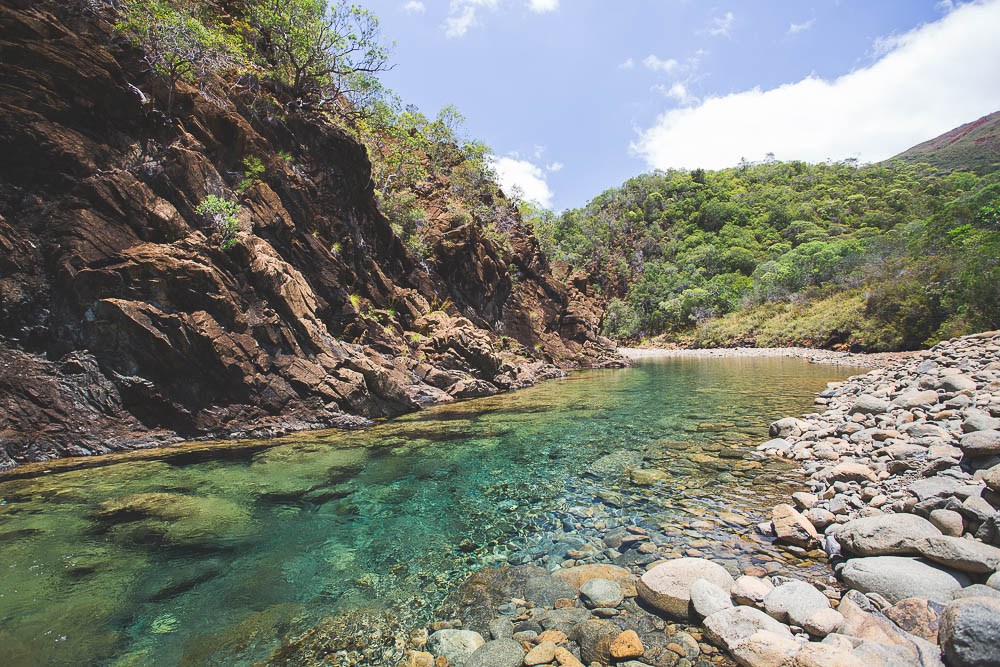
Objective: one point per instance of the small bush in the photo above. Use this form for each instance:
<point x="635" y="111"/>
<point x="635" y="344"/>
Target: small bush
<point x="253" y="169"/>
<point x="224" y="216"/>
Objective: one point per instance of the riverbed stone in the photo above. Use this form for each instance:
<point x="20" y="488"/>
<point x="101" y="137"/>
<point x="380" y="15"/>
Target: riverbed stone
<point x="543" y="591"/>
<point x="626" y="646"/>
<point x="914" y="398"/>
<point x="729" y="627"/>
<point x="867" y="404"/>
<point x="976" y="591"/>
<point x="917" y="616"/>
<point x="960" y="554"/>
<point x="667" y="587"/>
<point x="970" y="633"/>
<point x="817" y="654"/>
<point x="981" y="443"/>
<point x="794" y="602"/>
<point x="614" y="464"/>
<point x="850" y="471"/>
<point x="542" y="654"/>
<point x="897" y="578"/>
<point x="501" y="628"/>
<point x="707" y="598"/>
<point x="598" y="592"/>
<point x="765" y="648"/>
<point x="751" y="591"/>
<point x="884" y="535"/>
<point x="455" y="645"/>
<point x="823" y="622"/>
<point x="647" y="477"/>
<point x="791" y="527"/>
<point x="992" y="478"/>
<point x="594" y="638"/>
<point x="497" y="653"/>
<point x="864" y="622"/>
<point x="579" y="574"/>
<point x="789" y="427"/>
<point x="948" y="522"/>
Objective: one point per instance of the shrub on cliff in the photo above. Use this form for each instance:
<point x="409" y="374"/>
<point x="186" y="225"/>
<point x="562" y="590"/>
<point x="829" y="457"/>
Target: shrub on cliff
<point x="223" y="214"/>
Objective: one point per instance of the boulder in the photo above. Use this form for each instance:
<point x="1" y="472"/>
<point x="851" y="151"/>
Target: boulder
<point x="981" y="443"/>
<point x="543" y="591"/>
<point x="817" y="654"/>
<point x="581" y="573"/>
<point x="849" y="471"/>
<point x="917" y="616"/>
<point x="497" y="653"/>
<point x="595" y="638"/>
<point x="897" y="578"/>
<point x="750" y="591"/>
<point x="729" y="627"/>
<point x="791" y="527"/>
<point x="956" y="383"/>
<point x="455" y="645"/>
<point x="707" y="598"/>
<point x="884" y="534"/>
<point x="667" y="587"/>
<point x="542" y="654"/>
<point x="868" y="404"/>
<point x="992" y="478"/>
<point x="977" y="591"/>
<point x="865" y="623"/>
<point x="789" y="427"/>
<point x="977" y="420"/>
<point x="915" y="398"/>
<point x="777" y="445"/>
<point x="647" y="477"/>
<point x="598" y="592"/>
<point x="794" y="602"/>
<point x="823" y="622"/>
<point x="627" y="646"/>
<point x="970" y="633"/>
<point x="948" y="522"/>
<point x="960" y="554"/>
<point x="766" y="649"/>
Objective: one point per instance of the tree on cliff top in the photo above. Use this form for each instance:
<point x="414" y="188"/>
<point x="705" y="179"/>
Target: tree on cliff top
<point x="327" y="54"/>
<point x="177" y="44"/>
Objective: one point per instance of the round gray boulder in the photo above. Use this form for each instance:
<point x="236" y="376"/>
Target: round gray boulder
<point x="795" y="602"/>
<point x="897" y="578"/>
<point x="667" y="587"/>
<point x="499" y="653"/>
<point x="885" y="535"/>
<point x="456" y="645"/>
<point x="970" y="633"/>
<point x="598" y="592"/>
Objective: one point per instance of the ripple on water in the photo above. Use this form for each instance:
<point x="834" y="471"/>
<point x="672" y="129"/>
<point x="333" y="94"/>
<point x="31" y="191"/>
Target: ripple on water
<point x="213" y="553"/>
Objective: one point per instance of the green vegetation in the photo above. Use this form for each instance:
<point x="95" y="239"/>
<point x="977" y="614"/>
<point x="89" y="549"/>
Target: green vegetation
<point x="973" y="147"/>
<point x="224" y="216"/>
<point x="253" y="169"/>
<point x="875" y="257"/>
<point x="180" y="42"/>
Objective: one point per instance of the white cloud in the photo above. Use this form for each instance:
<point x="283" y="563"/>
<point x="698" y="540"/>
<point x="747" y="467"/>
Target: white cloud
<point x="801" y="27"/>
<point x="934" y="78"/>
<point x="462" y="15"/>
<point x="414" y="7"/>
<point x="542" y="6"/>
<point x="722" y="26"/>
<point x="654" y="63"/>
<point x="554" y="166"/>
<point x="628" y="64"/>
<point x="524" y="179"/>
<point x="678" y="91"/>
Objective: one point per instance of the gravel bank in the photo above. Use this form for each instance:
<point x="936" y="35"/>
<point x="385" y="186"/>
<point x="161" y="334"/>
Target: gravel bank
<point x="876" y="360"/>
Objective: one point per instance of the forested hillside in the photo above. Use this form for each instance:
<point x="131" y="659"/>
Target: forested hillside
<point x="883" y="257"/>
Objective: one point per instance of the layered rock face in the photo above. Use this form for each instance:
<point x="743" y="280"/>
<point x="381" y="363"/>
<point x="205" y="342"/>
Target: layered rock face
<point x="124" y="323"/>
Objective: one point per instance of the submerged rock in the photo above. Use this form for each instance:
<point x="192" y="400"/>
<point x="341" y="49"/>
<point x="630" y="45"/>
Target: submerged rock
<point x="667" y="587"/>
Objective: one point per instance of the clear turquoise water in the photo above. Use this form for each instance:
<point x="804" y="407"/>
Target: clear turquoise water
<point x="210" y="553"/>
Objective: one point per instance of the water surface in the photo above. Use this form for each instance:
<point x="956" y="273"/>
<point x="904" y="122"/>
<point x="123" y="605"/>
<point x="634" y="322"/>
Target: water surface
<point x="212" y="553"/>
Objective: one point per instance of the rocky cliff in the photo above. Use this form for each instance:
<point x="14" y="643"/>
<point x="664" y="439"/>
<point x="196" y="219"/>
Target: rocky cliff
<point x="124" y="323"/>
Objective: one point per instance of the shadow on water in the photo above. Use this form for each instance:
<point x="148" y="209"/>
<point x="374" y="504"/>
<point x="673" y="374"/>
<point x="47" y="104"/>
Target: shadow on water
<point x="210" y="552"/>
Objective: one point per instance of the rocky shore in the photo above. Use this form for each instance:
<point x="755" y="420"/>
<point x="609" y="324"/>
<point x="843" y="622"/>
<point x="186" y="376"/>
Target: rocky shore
<point x="903" y="502"/>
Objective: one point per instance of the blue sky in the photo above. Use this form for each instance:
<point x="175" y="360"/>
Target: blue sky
<point x="575" y="96"/>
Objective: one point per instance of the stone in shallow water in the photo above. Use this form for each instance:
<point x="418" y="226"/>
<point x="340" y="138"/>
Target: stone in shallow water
<point x="667" y="587"/>
<point x="598" y="592"/>
<point x="729" y="627"/>
<point x="455" y="645"/>
<point x="791" y="527"/>
<point x="766" y="649"/>
<point x="751" y="590"/>
<point x="498" y="653"/>
<point x="543" y="591"/>
<point x="581" y="573"/>
<point x="897" y="578"/>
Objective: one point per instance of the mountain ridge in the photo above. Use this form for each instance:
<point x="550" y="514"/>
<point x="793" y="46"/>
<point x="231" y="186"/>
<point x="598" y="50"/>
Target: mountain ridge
<point x="974" y="146"/>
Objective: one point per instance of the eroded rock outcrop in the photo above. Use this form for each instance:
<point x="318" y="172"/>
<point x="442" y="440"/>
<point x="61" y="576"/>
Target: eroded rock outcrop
<point x="123" y="322"/>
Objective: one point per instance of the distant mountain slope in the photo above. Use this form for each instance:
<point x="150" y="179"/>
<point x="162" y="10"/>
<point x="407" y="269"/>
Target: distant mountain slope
<point x="974" y="147"/>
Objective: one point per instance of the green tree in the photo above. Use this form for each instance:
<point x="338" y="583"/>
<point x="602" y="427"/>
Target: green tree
<point x="176" y="43"/>
<point x="326" y="54"/>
